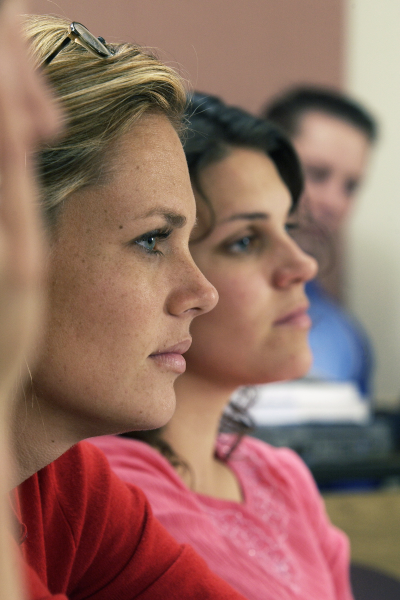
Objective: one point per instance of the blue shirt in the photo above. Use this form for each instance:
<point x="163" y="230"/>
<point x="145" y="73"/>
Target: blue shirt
<point x="340" y="346"/>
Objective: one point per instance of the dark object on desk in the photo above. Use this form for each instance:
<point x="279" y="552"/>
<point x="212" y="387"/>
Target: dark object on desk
<point x="372" y="470"/>
<point x="369" y="584"/>
<point x="322" y="445"/>
<point x="393" y="419"/>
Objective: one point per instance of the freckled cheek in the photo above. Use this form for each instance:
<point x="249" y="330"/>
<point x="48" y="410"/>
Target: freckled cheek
<point x="108" y="305"/>
<point x="118" y="304"/>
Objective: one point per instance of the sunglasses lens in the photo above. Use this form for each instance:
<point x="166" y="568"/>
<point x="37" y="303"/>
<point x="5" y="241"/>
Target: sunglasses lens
<point x="89" y="41"/>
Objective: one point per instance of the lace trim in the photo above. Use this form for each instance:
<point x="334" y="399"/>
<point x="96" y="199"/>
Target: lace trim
<point x="266" y="542"/>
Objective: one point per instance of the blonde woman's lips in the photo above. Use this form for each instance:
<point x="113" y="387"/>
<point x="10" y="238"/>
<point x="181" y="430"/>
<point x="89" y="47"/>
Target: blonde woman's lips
<point x="298" y="318"/>
<point x="171" y="358"/>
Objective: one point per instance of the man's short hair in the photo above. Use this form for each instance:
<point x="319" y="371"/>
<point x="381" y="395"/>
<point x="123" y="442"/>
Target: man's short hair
<point x="287" y="109"/>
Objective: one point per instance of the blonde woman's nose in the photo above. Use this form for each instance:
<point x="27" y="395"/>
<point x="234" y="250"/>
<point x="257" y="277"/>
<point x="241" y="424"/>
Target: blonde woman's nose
<point x="193" y="293"/>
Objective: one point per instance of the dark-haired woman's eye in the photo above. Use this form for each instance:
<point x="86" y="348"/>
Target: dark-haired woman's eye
<point x="243" y="245"/>
<point x="292" y="226"/>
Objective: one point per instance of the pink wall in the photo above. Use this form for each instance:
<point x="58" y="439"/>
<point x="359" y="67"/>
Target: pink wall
<point x="242" y="50"/>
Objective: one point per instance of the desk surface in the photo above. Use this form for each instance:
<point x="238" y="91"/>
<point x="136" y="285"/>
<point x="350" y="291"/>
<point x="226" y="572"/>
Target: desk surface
<point x="372" y="522"/>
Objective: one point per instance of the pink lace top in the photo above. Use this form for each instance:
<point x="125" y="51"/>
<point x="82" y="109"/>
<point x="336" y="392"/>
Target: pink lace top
<point x="276" y="545"/>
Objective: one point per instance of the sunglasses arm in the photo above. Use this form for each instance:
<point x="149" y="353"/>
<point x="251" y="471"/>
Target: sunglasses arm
<point x="60" y="47"/>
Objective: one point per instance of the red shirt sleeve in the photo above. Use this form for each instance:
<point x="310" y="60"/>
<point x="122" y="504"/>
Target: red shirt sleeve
<point x="91" y="536"/>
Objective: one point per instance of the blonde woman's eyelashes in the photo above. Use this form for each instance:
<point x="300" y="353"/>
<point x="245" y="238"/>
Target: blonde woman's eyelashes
<point x="150" y="241"/>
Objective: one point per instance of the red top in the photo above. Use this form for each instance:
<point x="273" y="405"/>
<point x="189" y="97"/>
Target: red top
<point x="277" y="544"/>
<point x="91" y="536"/>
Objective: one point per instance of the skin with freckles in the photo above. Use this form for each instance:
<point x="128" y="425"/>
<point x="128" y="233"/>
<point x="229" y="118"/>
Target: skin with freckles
<point x="334" y="155"/>
<point x="123" y="288"/>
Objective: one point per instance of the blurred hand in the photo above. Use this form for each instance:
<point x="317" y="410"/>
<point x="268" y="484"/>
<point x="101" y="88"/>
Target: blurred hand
<point x="28" y="114"/>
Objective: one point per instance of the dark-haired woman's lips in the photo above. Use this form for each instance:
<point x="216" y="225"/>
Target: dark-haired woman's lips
<point x="298" y="318"/>
<point x="171" y="358"/>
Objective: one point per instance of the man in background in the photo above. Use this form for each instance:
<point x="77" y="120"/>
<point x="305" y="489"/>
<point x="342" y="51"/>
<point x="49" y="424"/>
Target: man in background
<point x="333" y="136"/>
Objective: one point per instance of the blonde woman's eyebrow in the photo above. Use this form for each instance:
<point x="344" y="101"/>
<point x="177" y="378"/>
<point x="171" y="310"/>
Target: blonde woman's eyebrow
<point x="246" y="217"/>
<point x="174" y="219"/>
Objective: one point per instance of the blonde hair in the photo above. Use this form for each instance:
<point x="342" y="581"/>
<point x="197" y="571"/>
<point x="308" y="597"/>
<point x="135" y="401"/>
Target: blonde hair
<point x="102" y="98"/>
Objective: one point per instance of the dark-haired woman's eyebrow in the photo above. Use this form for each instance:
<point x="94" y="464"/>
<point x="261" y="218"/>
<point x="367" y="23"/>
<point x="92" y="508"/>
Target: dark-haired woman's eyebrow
<point x="245" y="217"/>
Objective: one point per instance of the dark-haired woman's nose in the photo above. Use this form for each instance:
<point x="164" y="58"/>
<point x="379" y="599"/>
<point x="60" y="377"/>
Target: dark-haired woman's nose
<point x="293" y="265"/>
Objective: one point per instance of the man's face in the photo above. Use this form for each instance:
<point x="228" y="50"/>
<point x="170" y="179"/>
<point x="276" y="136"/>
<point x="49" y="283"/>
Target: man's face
<point x="334" y="156"/>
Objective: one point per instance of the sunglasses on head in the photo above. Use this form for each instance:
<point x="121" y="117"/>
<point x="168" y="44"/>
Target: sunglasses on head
<point x="79" y="34"/>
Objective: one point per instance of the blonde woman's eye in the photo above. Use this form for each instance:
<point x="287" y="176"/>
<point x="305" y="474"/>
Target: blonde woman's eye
<point x="149" y="241"/>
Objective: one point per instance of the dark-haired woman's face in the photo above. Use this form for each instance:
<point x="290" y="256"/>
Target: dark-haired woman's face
<point x="258" y="331"/>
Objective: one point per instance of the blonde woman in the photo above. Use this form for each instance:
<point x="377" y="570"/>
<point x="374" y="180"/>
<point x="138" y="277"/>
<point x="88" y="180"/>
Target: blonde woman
<point x="123" y="290"/>
<point x="252" y="511"/>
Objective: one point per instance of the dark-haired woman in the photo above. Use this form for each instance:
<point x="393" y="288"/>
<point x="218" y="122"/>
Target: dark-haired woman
<point x="252" y="511"/>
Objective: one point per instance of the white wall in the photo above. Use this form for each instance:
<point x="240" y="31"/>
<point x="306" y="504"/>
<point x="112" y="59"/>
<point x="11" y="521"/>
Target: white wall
<point x="373" y="265"/>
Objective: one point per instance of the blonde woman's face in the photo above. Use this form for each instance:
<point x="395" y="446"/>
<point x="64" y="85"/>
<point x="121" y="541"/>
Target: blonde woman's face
<point x="123" y="290"/>
<point x="258" y="331"/>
